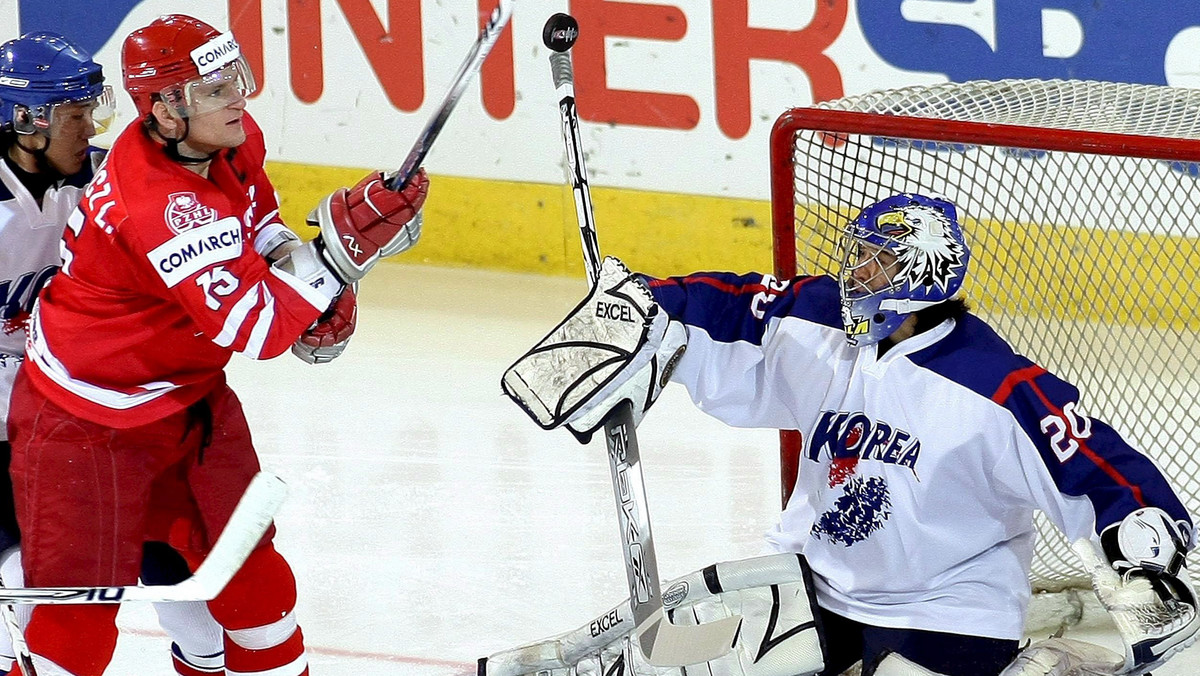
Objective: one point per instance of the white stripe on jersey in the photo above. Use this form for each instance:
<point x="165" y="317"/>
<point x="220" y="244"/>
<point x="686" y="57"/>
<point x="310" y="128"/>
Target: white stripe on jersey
<point x="237" y="316"/>
<point x="40" y="353"/>
<point x="262" y="327"/>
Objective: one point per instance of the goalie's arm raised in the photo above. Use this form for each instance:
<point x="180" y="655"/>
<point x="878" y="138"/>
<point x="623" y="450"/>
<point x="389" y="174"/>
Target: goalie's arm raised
<point x="626" y="338"/>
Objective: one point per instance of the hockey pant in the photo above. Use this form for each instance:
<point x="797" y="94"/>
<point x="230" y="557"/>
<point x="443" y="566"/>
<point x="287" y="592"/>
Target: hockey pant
<point x="848" y="641"/>
<point x="85" y="495"/>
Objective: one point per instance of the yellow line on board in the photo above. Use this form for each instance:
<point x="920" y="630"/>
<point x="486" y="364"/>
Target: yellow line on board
<point x="531" y="227"/>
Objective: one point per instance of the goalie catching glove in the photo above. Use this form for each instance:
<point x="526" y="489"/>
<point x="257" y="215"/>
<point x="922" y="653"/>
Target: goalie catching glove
<point x="779" y="635"/>
<point x="1146" y="589"/>
<point x="616" y="345"/>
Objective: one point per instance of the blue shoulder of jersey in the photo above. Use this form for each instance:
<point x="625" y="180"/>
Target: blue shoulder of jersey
<point x="974" y="356"/>
<point x="731" y="307"/>
<point x="1085" y="456"/>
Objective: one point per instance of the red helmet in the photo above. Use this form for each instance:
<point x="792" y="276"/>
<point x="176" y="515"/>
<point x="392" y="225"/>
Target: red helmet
<point x="176" y="52"/>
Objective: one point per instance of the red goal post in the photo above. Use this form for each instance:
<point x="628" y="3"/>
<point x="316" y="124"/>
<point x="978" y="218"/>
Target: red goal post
<point x="1081" y="202"/>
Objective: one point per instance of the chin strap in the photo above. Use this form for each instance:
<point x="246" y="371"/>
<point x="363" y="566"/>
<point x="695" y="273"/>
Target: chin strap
<point x="44" y="169"/>
<point x="172" y="144"/>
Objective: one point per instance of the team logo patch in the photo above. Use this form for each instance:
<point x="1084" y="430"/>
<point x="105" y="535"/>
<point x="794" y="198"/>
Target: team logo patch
<point x="852" y="441"/>
<point x="863" y="508"/>
<point x="185" y="212"/>
<point x="928" y="256"/>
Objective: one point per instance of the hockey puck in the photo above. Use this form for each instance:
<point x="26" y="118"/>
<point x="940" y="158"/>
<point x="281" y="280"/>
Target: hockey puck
<point x="560" y="32"/>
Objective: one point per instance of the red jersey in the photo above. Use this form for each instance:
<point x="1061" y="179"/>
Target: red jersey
<point x="161" y="282"/>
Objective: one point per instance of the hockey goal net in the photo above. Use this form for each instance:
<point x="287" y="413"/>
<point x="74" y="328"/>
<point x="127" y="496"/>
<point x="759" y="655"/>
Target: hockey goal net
<point x="1081" y="204"/>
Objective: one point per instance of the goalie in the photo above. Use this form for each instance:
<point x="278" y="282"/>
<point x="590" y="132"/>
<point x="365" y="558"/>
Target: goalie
<point x="927" y="445"/>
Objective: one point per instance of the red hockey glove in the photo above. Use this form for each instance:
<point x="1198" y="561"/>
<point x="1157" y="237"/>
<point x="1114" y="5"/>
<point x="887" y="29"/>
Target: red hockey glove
<point x="325" y="340"/>
<point x="360" y="225"/>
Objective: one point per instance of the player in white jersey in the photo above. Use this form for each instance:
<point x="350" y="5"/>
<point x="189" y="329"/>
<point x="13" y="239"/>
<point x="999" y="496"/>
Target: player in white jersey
<point x="927" y="443"/>
<point x="53" y="100"/>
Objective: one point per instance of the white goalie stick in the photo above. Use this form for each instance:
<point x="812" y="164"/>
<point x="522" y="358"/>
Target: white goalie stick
<point x="479" y="51"/>
<point x="246" y="526"/>
<point x="663" y="643"/>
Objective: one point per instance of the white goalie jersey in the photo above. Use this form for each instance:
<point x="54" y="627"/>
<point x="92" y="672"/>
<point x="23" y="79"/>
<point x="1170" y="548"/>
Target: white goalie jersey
<point x="920" y="469"/>
<point x="30" y="236"/>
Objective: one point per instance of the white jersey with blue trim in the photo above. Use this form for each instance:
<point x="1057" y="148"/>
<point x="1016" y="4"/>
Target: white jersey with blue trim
<point x="30" y="236"/>
<point x="920" y="469"/>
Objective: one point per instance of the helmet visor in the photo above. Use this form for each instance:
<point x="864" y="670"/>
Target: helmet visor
<point x="212" y="92"/>
<point x="83" y="117"/>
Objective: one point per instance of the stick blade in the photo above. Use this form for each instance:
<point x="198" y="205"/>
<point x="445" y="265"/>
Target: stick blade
<point x="679" y="645"/>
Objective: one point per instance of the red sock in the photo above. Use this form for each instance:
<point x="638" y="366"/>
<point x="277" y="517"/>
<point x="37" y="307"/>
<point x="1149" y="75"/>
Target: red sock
<point x="255" y="609"/>
<point x="286" y="659"/>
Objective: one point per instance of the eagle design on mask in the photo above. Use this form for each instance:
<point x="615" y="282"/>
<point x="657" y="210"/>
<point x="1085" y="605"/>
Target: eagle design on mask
<point x="924" y="247"/>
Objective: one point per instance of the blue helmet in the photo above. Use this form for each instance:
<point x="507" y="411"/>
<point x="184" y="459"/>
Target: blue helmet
<point x="41" y="70"/>
<point x="899" y="255"/>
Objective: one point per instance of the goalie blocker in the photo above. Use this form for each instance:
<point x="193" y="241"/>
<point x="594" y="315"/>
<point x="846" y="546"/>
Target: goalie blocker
<point x="617" y="345"/>
<point x="780" y="633"/>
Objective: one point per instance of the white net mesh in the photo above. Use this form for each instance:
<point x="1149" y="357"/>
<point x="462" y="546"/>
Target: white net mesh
<point x="1084" y="261"/>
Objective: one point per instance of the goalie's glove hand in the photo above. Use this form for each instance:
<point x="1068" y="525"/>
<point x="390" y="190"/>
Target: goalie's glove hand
<point x="617" y="345"/>
<point x="326" y="339"/>
<point x="1147" y="540"/>
<point x="362" y="224"/>
<point x="1154" y="610"/>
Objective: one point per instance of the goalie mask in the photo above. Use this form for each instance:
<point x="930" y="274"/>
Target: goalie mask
<point x="899" y="255"/>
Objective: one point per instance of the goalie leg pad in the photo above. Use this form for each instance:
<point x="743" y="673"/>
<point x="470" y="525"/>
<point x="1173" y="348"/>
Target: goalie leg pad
<point x="1065" y="657"/>
<point x="780" y="634"/>
<point x="616" y="345"/>
<point x="895" y="664"/>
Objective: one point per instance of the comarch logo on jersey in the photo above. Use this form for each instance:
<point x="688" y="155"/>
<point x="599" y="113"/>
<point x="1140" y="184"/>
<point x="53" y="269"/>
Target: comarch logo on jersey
<point x="184" y="255"/>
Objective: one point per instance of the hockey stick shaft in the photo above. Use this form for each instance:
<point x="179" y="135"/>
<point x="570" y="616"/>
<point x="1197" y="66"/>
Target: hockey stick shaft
<point x="474" y="61"/>
<point x="663" y="643"/>
<point x="564" y="86"/>
<point x="245" y="528"/>
<point x="12" y="624"/>
<point x="20" y="649"/>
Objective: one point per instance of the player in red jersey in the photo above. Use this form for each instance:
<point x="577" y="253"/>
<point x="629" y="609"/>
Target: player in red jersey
<point x="175" y="260"/>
